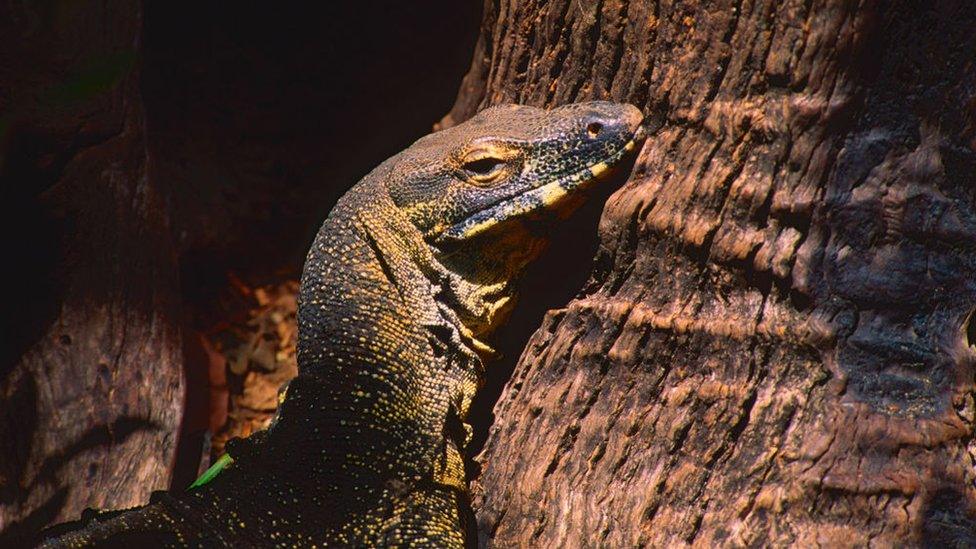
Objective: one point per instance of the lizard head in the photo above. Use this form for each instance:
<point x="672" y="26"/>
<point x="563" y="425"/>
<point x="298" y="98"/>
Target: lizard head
<point x="471" y="189"/>
<point x="508" y="161"/>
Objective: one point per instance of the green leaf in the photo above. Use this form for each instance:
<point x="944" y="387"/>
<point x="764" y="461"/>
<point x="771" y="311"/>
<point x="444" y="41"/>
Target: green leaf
<point x="222" y="463"/>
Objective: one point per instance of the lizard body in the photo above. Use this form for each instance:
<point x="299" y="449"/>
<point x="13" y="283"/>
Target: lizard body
<point x="411" y="269"/>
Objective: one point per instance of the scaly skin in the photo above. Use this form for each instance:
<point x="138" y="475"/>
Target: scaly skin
<point x="413" y="267"/>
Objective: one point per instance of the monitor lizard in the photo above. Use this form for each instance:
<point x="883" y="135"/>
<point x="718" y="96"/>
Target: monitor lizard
<point x="411" y="270"/>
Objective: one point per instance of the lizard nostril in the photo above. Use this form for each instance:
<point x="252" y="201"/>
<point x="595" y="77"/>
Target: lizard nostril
<point x="593" y="129"/>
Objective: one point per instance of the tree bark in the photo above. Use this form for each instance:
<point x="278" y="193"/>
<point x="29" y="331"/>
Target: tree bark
<point x="92" y="389"/>
<point x="775" y="345"/>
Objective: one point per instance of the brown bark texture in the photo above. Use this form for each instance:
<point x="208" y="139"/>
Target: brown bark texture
<point x="775" y="345"/>
<point x="92" y="389"/>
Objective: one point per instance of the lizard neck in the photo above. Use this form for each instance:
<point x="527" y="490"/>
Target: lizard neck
<point x="384" y="383"/>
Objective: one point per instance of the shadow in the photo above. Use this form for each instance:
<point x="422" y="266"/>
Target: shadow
<point x="549" y="282"/>
<point x="38" y="141"/>
<point x="898" y="216"/>
<point x="18" y="423"/>
<point x="26" y="530"/>
<point x="32" y="234"/>
<point x="949" y="520"/>
<point x="193" y="444"/>
<point x="259" y="119"/>
<point x="103" y="435"/>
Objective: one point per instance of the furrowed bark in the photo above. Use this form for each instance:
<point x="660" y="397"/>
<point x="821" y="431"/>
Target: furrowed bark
<point x="775" y="345"/>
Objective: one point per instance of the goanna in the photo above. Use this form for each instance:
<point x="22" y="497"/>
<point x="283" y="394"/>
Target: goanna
<point x="414" y="266"/>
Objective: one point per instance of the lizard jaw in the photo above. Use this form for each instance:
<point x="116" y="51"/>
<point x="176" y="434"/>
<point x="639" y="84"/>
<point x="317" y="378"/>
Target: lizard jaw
<point x="538" y="198"/>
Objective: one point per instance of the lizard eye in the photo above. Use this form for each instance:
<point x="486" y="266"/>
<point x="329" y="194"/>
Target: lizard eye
<point x="484" y="169"/>
<point x="483" y="166"/>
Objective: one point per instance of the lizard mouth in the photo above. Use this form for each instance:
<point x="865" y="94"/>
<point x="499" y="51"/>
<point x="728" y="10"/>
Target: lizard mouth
<point x="536" y="198"/>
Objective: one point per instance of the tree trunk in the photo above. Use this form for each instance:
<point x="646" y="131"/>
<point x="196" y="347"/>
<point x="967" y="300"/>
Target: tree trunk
<point x="92" y="388"/>
<point x="775" y="343"/>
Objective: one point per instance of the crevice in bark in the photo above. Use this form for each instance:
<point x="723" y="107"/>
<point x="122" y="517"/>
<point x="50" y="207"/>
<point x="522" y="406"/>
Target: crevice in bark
<point x="617" y="53"/>
<point x="593" y="32"/>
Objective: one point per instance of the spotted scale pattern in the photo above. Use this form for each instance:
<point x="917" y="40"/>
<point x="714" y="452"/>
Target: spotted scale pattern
<point x="411" y="270"/>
